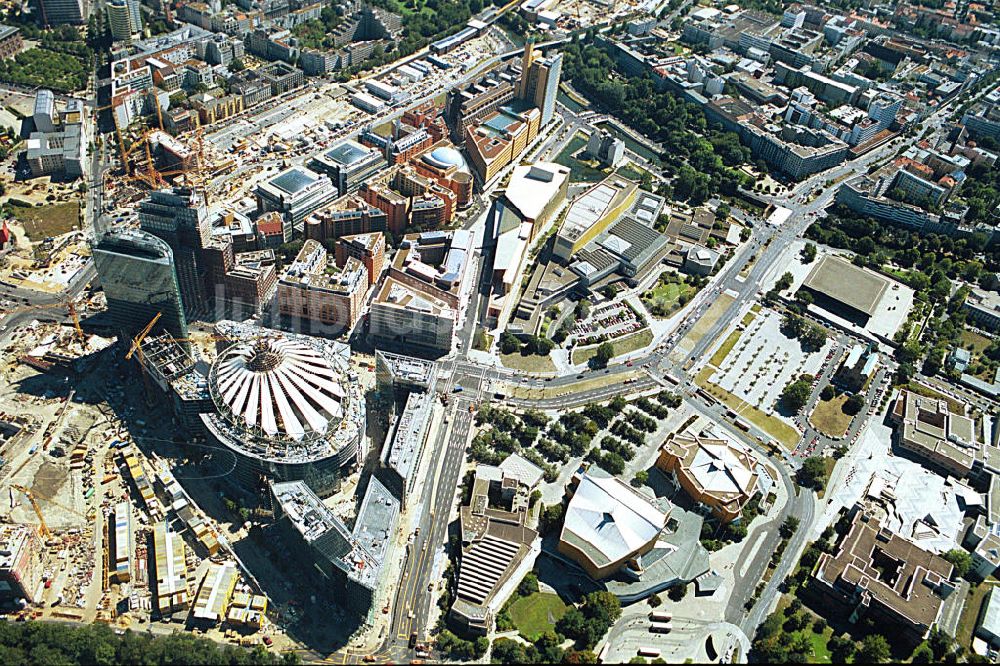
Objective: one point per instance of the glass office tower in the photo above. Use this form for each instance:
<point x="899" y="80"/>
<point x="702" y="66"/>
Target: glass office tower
<point x="137" y="272"/>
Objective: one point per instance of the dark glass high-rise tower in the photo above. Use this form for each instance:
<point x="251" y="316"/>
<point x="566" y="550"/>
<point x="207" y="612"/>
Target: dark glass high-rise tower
<point x="137" y="272"/>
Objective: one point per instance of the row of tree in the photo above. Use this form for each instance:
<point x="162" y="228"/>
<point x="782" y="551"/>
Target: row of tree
<point x="51" y="644"/>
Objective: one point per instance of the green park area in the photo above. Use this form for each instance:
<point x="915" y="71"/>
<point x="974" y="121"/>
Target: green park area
<point x="670" y="293"/>
<point x="41" y="222"/>
<point x="537" y="613"/>
<point x="830" y="418"/>
<point x="623" y="345"/>
<point x="582" y="171"/>
<point x="528" y="362"/>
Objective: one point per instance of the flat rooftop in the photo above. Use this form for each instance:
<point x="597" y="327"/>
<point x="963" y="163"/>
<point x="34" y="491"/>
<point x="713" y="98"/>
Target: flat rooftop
<point x="347" y="152"/>
<point x="843" y="281"/>
<point x="294" y="180"/>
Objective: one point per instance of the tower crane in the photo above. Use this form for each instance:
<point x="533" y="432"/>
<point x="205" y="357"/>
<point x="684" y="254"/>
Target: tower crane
<point x="34" y="505"/>
<point x="69" y="304"/>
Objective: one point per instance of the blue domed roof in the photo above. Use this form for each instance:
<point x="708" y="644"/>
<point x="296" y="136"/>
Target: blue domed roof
<point x="446" y="156"/>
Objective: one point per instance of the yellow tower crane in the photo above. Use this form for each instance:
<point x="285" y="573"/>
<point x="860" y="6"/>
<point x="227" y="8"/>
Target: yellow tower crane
<point x="34" y="505"/>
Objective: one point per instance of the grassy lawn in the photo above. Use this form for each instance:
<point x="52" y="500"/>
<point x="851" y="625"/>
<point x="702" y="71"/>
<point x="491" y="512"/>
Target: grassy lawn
<point x="829" y="416"/>
<point x="772" y="425"/>
<point x="978" y="342"/>
<point x="970" y="612"/>
<point x="819" y="640"/>
<point x="599" y="381"/>
<point x="581" y="170"/>
<point x="530" y="363"/>
<point x="665" y="298"/>
<point x="722" y="352"/>
<point x="712" y="314"/>
<point x="40" y="222"/>
<point x="632" y="172"/>
<point x="621" y="345"/>
<point x="535" y="614"/>
<point x="828" y="465"/>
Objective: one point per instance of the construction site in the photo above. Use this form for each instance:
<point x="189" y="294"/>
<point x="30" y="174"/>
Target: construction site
<point x="94" y="525"/>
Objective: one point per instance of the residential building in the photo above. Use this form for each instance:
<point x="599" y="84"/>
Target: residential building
<point x="124" y="19"/>
<point x="324" y="295"/>
<point x="857" y="368"/>
<point x="368" y="248"/>
<point x="499" y="139"/>
<point x="11" y="42"/>
<point x="401" y="457"/>
<point x="58" y="12"/>
<point x="700" y="260"/>
<point x="58" y="146"/>
<point x="540" y="81"/>
<point x="498" y="549"/>
<point x="983" y="308"/>
<point x="606" y="148"/>
<point x="592" y="213"/>
<point x="405" y="316"/>
<point x="352" y="563"/>
<point x="250" y="283"/>
<point x="346" y="216"/>
<point x="281" y="77"/>
<point x="983" y="119"/>
<point x="179" y="216"/>
<point x="348" y="164"/>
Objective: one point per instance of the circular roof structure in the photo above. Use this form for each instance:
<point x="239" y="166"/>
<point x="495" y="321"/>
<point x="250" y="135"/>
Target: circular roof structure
<point x="279" y="388"/>
<point x="444" y="157"/>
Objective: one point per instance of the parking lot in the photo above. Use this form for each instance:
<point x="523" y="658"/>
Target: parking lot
<point x="611" y="320"/>
<point x="764" y="361"/>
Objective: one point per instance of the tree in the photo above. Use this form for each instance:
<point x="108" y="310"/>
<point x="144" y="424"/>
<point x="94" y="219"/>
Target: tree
<point x="641" y="478"/>
<point x="841" y="649"/>
<point x="814" y="336"/>
<point x="940" y="643"/>
<point x="550" y="518"/>
<point x="677" y="592"/>
<point x="506" y="651"/>
<point x="509" y="344"/>
<point x="528" y="584"/>
<point x="795" y="396"/>
<point x="784" y="282"/>
<point x="922" y="655"/>
<point x="787" y="529"/>
<point x="828" y="392"/>
<point x="812" y="474"/>
<point x="655" y="601"/>
<point x="960" y="559"/>
<point x="874" y="650"/>
<point x="809" y="253"/>
<point x="854" y="404"/>
<point x="605" y="352"/>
